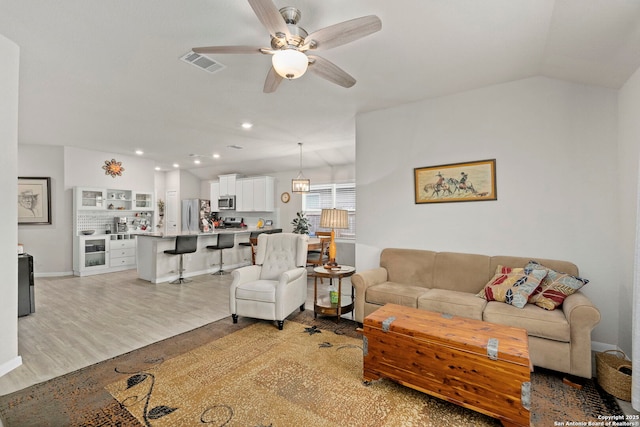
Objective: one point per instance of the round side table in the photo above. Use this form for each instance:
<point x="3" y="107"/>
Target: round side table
<point x="323" y="305"/>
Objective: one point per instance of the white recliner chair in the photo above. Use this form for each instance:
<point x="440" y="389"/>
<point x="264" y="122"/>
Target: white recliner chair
<point x="277" y="284"/>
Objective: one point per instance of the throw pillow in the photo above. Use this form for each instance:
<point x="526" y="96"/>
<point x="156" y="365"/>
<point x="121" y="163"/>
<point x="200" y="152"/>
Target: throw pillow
<point x="555" y="287"/>
<point x="512" y="285"/>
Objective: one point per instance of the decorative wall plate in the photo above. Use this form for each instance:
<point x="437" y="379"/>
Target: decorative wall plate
<point x="113" y="168"/>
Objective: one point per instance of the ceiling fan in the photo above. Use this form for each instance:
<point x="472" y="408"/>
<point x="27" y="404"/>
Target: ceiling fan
<point x="290" y="44"/>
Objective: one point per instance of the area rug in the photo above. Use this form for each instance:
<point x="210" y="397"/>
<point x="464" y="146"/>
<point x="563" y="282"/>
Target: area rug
<point x="251" y="374"/>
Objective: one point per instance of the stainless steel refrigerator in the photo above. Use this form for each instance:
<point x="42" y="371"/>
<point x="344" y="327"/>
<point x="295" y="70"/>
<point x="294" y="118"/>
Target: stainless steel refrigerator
<point x="194" y="211"/>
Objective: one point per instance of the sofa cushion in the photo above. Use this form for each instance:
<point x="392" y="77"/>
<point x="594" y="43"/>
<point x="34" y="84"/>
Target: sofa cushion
<point x="411" y="266"/>
<point x="555" y="287"/>
<point x="389" y="292"/>
<point x="512" y="285"/>
<point x="463" y="304"/>
<point x="551" y="325"/>
<point x="461" y="272"/>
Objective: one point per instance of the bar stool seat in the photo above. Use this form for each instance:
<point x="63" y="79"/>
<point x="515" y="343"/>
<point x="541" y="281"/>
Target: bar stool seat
<point x="184" y="245"/>
<point x="225" y="241"/>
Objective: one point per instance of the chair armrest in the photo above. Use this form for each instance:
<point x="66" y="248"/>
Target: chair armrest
<point x="245" y="274"/>
<point x="291" y="275"/>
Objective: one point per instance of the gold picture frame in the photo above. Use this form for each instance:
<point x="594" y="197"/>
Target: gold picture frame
<point x="34" y="200"/>
<point x="456" y="182"/>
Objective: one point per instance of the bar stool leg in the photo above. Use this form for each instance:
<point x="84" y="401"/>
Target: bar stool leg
<point x="220" y="272"/>
<point x="181" y="279"/>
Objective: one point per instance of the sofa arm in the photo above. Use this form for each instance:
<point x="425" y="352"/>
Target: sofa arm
<point x="360" y="282"/>
<point x="582" y="316"/>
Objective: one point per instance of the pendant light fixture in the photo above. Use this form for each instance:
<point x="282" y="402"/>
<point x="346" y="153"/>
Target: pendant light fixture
<point x="300" y="184"/>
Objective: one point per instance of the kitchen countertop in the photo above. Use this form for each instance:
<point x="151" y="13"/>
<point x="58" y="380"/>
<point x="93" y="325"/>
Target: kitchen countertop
<point x="207" y="233"/>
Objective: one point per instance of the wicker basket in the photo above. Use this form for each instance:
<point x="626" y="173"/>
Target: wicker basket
<point x="610" y="377"/>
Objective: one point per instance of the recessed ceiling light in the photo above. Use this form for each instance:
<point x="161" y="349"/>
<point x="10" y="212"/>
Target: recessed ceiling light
<point x="157" y="168"/>
<point x="175" y="165"/>
<point x="196" y="161"/>
<point x="139" y="152"/>
<point x="216" y="156"/>
<point x="247" y="125"/>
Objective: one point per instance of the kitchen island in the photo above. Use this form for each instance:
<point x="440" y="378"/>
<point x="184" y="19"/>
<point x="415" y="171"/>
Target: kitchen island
<point x="157" y="267"/>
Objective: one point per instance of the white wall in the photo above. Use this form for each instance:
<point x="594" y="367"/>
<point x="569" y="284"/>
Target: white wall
<point x="50" y="245"/>
<point x="189" y="185"/>
<point x="68" y="167"/>
<point x="9" y="63"/>
<point x="628" y="156"/>
<point x="555" y="147"/>
<point x="83" y="168"/>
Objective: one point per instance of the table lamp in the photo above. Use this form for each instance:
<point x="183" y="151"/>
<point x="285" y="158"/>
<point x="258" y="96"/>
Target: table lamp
<point x="333" y="218"/>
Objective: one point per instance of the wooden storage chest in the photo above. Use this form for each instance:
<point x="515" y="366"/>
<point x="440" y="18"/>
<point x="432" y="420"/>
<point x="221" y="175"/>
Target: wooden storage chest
<point x="478" y="365"/>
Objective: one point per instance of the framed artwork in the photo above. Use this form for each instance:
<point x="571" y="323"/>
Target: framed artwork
<point x="34" y="200"/>
<point x="456" y="182"/>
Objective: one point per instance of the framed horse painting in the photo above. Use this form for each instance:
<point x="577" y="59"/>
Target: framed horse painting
<point x="456" y="182"/>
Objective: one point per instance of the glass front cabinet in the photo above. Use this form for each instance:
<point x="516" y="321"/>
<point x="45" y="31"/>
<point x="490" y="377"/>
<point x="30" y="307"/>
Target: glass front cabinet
<point x="93" y="255"/>
<point x="142" y="201"/>
<point x="91" y="198"/>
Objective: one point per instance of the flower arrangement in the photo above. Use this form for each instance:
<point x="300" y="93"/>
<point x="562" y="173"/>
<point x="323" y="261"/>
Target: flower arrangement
<point x="160" y="207"/>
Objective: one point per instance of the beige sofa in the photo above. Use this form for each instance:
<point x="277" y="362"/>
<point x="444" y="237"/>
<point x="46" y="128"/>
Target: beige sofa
<point x="448" y="282"/>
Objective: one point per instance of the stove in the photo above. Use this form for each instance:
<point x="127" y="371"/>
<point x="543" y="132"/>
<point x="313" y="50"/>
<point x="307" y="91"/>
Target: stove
<point x="232" y="222"/>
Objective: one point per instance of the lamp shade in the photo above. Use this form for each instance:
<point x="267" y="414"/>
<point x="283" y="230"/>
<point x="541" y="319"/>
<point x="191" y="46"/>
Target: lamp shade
<point x="290" y="63"/>
<point x="334" y="218"/>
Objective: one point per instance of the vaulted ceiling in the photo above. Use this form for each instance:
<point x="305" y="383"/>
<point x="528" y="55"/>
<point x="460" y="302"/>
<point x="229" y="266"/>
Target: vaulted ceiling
<point x="107" y="75"/>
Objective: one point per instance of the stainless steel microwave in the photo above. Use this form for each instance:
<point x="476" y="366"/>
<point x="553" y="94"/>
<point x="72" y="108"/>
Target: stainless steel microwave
<point x="227" y="202"/>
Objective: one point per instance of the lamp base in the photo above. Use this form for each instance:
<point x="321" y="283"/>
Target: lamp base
<point x="332" y="265"/>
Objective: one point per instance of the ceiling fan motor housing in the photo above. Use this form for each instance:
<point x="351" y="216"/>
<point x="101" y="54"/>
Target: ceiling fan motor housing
<point x="291" y="16"/>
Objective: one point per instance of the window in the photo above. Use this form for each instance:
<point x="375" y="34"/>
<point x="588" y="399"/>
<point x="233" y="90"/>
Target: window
<point x="328" y="196"/>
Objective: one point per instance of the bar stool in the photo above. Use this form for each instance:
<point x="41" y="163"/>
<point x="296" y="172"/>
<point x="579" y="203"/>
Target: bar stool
<point x="253" y="241"/>
<point x="184" y="245"/>
<point x="225" y="241"/>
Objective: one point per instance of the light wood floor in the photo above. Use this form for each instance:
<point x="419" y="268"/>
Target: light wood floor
<point x="80" y="321"/>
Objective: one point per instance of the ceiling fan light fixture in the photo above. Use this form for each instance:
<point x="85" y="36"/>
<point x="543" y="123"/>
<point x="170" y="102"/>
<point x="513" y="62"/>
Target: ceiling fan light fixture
<point x="290" y="63"/>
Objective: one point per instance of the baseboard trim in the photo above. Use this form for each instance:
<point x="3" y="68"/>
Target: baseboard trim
<point x="10" y="365"/>
<point x="601" y="346"/>
<point x="54" y="274"/>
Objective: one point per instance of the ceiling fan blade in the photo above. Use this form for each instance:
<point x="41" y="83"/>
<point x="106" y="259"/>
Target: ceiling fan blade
<point x="330" y="71"/>
<point x="342" y="33"/>
<point x="272" y="81"/>
<point x="268" y="14"/>
<point x="227" y="49"/>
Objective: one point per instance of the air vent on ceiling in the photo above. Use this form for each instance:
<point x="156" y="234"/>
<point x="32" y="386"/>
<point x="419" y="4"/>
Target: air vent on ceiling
<point x="202" y="62"/>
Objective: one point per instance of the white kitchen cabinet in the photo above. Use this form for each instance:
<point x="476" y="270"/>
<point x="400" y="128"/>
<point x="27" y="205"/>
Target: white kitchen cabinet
<point x="142" y="201"/>
<point x="255" y="194"/>
<point x="247" y="195"/>
<point x="122" y="253"/>
<point x="228" y="184"/>
<point x="215" y="194"/>
<point x="92" y="255"/>
<point x="90" y="198"/>
<point x="98" y="254"/>
<point x="263" y="194"/>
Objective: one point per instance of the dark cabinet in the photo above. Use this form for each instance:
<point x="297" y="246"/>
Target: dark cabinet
<point x="26" y="292"/>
